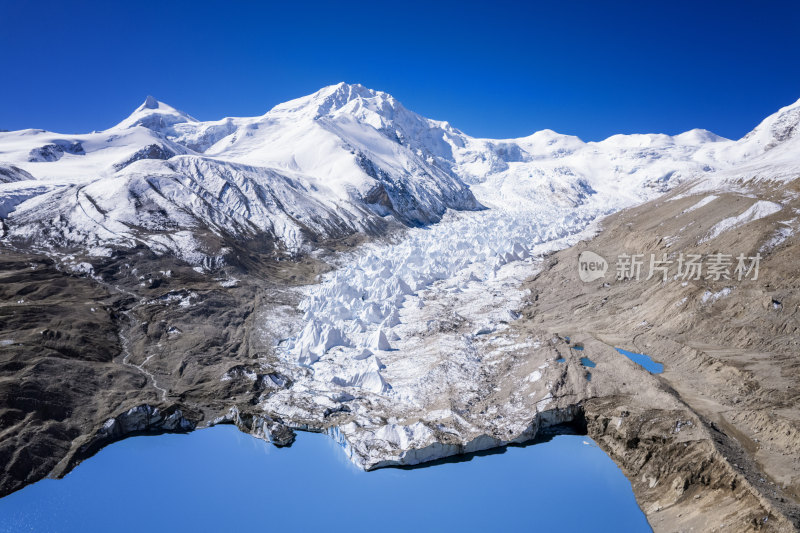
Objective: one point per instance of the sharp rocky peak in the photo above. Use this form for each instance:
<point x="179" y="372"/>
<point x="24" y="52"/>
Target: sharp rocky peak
<point x="150" y="103"/>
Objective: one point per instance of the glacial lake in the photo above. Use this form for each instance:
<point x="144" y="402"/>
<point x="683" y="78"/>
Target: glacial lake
<point x="220" y="479"/>
<point x="643" y="360"/>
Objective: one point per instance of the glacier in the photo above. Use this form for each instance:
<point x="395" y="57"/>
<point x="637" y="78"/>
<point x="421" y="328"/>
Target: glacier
<point x="412" y="331"/>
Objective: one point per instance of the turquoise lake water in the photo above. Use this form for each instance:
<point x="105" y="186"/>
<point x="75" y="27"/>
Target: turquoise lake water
<point x="643" y="361"/>
<point x="220" y="479"/>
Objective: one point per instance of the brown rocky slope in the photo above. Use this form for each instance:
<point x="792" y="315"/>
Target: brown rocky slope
<point x="729" y="348"/>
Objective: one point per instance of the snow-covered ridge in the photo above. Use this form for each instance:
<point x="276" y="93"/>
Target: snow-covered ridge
<point x="345" y="159"/>
<point x="288" y="178"/>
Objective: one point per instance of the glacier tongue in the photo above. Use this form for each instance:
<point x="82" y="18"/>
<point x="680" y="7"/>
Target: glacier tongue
<point x="368" y="298"/>
<point x="416" y="323"/>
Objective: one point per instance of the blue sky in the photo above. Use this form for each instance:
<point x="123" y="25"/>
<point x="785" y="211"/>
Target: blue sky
<point x="493" y="69"/>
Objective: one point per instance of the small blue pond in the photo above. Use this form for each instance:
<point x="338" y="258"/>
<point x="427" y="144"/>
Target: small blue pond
<point x="643" y="360"/>
<point x="219" y="479"/>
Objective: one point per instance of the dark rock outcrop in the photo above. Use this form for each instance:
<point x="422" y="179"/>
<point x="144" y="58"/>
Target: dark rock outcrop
<point x="151" y="151"/>
<point x="55" y="151"/>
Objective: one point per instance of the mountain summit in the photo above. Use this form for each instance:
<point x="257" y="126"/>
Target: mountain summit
<point x="155" y="115"/>
<point x="346" y="159"/>
<point x="330" y="99"/>
<point x="150" y="103"/>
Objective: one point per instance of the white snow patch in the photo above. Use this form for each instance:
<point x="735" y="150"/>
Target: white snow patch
<point x="705" y="201"/>
<point x="758" y="210"/>
<point x="709" y="296"/>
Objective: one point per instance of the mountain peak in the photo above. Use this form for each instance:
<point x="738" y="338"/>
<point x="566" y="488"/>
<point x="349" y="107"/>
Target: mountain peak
<point x="332" y="98"/>
<point x="776" y="129"/>
<point x="349" y="91"/>
<point x="698" y="136"/>
<point x="155" y="115"/>
<point x="150" y="103"/>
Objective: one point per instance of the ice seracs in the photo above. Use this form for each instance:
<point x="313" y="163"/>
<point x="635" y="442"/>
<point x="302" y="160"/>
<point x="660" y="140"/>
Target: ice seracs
<point x="317" y="338"/>
<point x="378" y="340"/>
<point x="408" y="333"/>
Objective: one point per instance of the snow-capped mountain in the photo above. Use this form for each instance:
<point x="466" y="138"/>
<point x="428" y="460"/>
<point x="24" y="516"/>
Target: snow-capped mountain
<point x="411" y="349"/>
<point x="306" y="170"/>
<point x="343" y="160"/>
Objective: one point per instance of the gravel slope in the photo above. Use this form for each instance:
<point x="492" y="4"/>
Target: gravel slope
<point x="729" y="349"/>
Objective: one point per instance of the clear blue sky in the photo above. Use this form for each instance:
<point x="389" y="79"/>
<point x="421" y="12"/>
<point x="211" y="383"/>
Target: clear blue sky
<point x="494" y="69"/>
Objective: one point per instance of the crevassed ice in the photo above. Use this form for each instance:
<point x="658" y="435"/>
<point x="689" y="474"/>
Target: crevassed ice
<point x="352" y="316"/>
